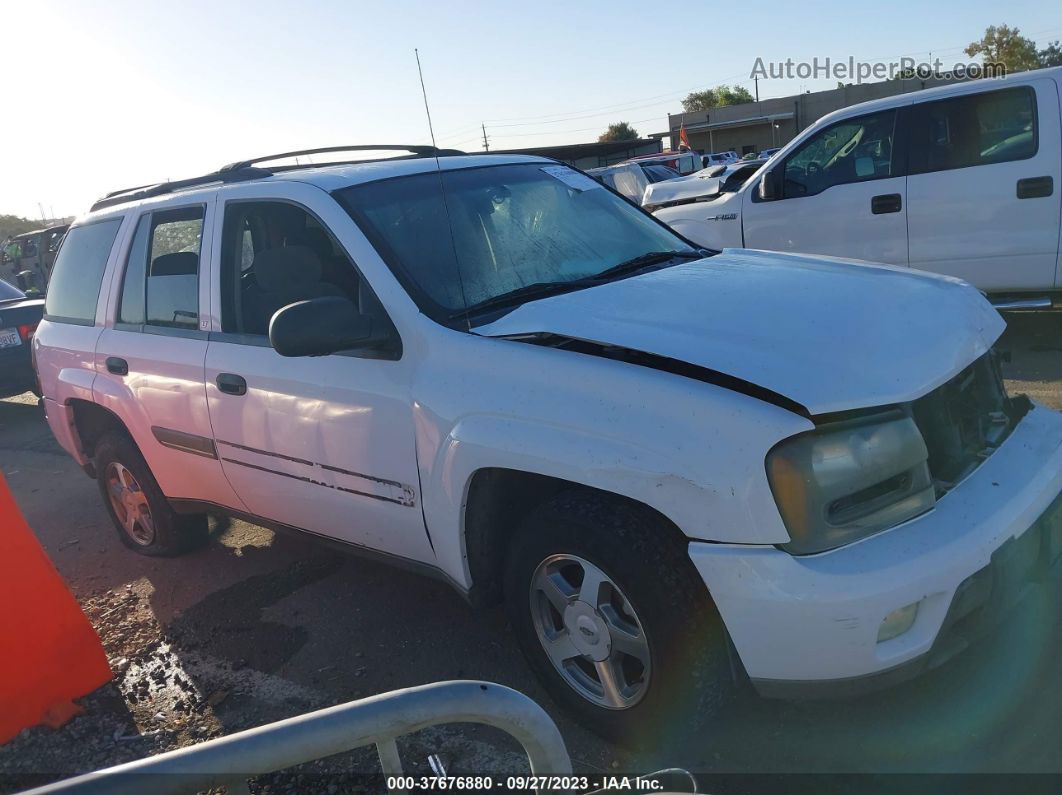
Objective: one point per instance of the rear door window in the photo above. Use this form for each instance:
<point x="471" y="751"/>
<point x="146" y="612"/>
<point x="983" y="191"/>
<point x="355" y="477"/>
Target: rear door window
<point x="74" y="288"/>
<point x="161" y="284"/>
<point x="974" y="130"/>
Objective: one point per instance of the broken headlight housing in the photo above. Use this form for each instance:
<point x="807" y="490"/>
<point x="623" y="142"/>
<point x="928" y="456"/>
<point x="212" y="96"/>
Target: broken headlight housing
<point x="849" y="479"/>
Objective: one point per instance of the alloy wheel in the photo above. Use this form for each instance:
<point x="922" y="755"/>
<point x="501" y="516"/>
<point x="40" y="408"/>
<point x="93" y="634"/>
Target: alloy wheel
<point x="130" y="504"/>
<point x="590" y="632"/>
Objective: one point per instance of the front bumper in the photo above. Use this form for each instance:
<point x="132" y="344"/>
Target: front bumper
<point x="808" y="626"/>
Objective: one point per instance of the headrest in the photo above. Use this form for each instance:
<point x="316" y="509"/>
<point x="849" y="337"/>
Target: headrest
<point x="314" y="238"/>
<point x="183" y="263"/>
<point x="278" y="269"/>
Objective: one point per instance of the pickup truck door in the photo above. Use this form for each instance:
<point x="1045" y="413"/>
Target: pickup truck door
<point x="324" y="444"/>
<point x="983" y="192"/>
<point x="842" y="193"/>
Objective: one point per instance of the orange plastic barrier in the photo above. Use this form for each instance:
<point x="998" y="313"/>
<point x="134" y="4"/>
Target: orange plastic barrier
<point x="49" y="652"/>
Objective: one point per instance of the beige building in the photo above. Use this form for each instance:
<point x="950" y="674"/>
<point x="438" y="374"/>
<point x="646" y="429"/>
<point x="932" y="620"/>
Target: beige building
<point x="755" y="126"/>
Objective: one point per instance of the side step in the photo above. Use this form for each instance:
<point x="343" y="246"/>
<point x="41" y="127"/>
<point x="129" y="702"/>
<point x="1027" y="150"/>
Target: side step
<point x="1022" y="304"/>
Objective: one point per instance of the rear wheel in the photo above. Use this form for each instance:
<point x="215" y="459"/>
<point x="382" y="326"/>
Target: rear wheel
<point x="141" y="514"/>
<point x="613" y="618"/>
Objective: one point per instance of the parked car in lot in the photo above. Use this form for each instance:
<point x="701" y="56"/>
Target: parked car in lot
<point x="677" y="468"/>
<point x="632" y="178"/>
<point x="684" y="162"/>
<point x="706" y="185"/>
<point x="36" y="251"/>
<point x="767" y="154"/>
<point x="19" y="317"/>
<point x="719" y="158"/>
<point x="960" y="180"/>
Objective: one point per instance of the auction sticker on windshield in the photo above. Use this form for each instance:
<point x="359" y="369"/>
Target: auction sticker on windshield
<point x="571" y="177"/>
<point x="9" y="338"/>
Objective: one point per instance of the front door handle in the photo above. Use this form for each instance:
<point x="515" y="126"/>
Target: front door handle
<point x="886" y="203"/>
<point x="1035" y="187"/>
<point x="232" y="384"/>
<point x="117" y="366"/>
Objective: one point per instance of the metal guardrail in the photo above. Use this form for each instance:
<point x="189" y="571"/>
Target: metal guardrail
<point x="377" y="720"/>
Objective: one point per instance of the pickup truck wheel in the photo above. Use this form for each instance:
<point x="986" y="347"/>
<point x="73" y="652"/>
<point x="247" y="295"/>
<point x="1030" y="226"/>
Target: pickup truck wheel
<point x="140" y="512"/>
<point x="614" y="619"/>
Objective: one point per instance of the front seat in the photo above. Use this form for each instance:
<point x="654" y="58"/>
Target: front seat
<point x="283" y="276"/>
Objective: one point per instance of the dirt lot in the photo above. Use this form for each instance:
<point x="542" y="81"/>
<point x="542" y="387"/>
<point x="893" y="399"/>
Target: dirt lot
<point x="256" y="627"/>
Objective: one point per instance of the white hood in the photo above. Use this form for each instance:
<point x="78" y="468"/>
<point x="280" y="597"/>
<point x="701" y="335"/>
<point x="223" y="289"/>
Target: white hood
<point x="826" y="333"/>
<point x="682" y="188"/>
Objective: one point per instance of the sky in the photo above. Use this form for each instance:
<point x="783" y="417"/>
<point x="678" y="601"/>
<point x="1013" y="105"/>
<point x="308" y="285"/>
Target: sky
<point x="108" y="94"/>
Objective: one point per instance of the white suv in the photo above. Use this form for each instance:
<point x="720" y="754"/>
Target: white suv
<point x="678" y="469"/>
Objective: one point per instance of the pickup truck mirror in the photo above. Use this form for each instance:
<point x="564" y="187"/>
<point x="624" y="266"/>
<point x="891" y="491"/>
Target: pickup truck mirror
<point x="321" y="326"/>
<point x="767" y="190"/>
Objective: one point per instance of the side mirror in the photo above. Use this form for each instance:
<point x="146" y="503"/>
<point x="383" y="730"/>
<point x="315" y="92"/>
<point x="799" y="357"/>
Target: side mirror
<point x="767" y="190"/>
<point x="321" y="326"/>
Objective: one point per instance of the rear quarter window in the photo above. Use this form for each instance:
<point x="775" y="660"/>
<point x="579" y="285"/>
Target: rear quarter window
<point x="74" y="288"/>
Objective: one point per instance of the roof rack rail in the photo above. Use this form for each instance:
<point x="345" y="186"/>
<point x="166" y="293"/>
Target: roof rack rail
<point x="415" y="150"/>
<point x="243" y="170"/>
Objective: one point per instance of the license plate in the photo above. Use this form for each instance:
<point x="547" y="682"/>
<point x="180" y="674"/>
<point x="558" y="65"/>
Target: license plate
<point x="9" y="338"/>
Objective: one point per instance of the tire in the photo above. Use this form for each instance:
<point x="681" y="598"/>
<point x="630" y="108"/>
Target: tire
<point x="153" y="528"/>
<point x="653" y="599"/>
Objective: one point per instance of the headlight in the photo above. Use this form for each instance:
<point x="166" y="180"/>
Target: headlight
<point x="847" y="480"/>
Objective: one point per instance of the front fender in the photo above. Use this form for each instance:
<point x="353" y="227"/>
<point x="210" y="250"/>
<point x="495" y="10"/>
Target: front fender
<point x="701" y="510"/>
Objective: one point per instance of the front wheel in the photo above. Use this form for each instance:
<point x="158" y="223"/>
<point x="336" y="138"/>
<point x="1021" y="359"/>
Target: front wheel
<point x="613" y="618"/>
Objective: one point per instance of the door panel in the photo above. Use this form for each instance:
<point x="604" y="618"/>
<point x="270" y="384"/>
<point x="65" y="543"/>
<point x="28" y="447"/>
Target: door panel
<point x="839" y="222"/>
<point x="325" y="444"/>
<point x="969" y="221"/>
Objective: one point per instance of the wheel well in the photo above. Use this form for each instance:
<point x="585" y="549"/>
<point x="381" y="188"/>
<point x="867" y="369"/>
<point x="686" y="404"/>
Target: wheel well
<point x="497" y="502"/>
<point x="92" y="422"/>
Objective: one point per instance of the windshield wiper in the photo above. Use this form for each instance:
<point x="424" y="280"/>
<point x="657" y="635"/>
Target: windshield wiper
<point x="530" y="292"/>
<point x="642" y="261"/>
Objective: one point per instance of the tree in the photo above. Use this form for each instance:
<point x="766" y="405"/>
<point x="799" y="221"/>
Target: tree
<point x="1004" y="45"/>
<point x="716" y="98"/>
<point x="618" y="131"/>
<point x="15" y="225"/>
<point x="1051" y="55"/>
<point x="733" y="95"/>
<point x="699" y="100"/>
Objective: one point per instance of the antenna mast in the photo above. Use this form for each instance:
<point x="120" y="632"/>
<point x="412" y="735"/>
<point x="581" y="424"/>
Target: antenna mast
<point x="424" y="93"/>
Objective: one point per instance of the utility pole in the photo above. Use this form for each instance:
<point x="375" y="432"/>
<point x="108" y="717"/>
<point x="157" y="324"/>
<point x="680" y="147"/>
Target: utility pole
<point x="757" y="79"/>
<point x="486" y="141"/>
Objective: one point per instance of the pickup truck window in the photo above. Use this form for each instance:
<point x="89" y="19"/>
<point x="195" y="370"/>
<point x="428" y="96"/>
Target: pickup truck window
<point x="852" y="150"/>
<point x="509" y="226"/>
<point x="974" y="130"/>
<point x="78" y="272"/>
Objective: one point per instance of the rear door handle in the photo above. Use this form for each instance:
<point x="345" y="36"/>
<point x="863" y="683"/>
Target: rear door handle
<point x="232" y="384"/>
<point x="886" y="203"/>
<point x="1035" y="187"/>
<point x="117" y="366"/>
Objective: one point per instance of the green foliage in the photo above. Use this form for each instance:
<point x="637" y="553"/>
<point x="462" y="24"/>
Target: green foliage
<point x="716" y="98"/>
<point x="1004" y="45"/>
<point x="1051" y="55"/>
<point x="618" y="131"/>
<point x="14" y="225"/>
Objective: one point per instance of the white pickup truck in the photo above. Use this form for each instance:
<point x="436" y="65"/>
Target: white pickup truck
<point x="678" y="469"/>
<point x="961" y="180"/>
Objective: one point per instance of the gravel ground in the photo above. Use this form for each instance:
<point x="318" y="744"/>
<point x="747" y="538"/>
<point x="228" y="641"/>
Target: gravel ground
<point x="257" y="627"/>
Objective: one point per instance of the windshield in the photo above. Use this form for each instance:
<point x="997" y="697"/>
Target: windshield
<point x="511" y="226"/>
<point x="10" y="293"/>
